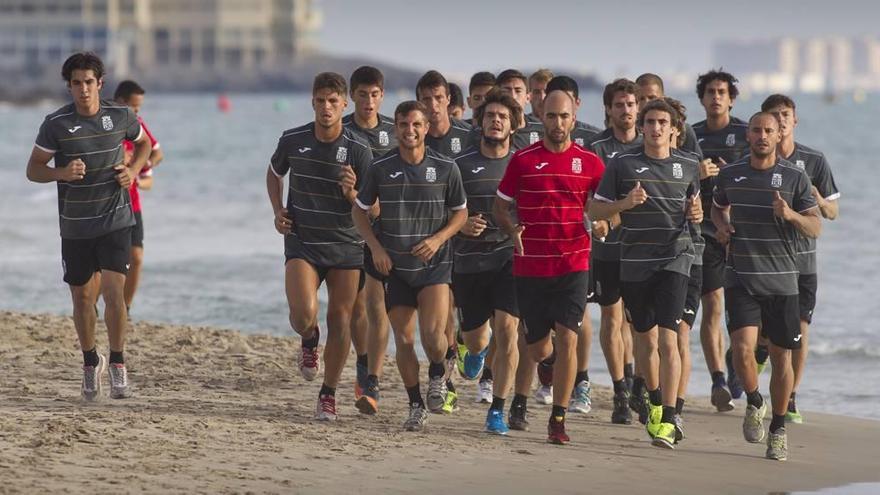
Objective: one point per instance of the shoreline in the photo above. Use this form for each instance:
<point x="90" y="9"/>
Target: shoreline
<point x="221" y="411"/>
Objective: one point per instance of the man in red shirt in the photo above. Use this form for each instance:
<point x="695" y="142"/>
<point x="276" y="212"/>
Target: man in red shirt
<point x="551" y="181"/>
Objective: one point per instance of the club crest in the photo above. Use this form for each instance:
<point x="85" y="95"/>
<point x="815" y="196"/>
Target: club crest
<point x="455" y="145"/>
<point x="431" y="174"/>
<point x="676" y="171"/>
<point x="731" y="140"/>
<point x="576" y="166"/>
<point x="579" y="141"/>
<point x="800" y="164"/>
<point x="383" y="138"/>
<point x="107" y="123"/>
<point x="776" y="181"/>
<point x="533" y="137"/>
<point x="341" y="154"/>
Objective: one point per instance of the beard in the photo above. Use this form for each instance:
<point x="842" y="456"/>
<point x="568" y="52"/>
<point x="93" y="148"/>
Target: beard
<point x="493" y="141"/>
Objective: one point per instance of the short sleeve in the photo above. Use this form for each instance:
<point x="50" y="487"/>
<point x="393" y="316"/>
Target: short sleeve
<point x="360" y="162"/>
<point x="133" y="129"/>
<point x="46" y="140"/>
<point x="719" y="195"/>
<point x="154" y="144"/>
<point x="598" y="173"/>
<point x="802" y="196"/>
<point x="456" y="198"/>
<point x="608" y="186"/>
<point x="824" y="180"/>
<point x="279" y="164"/>
<point x="509" y="185"/>
<point x="369" y="188"/>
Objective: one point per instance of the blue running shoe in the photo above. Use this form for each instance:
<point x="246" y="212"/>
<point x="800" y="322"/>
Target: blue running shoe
<point x="495" y="422"/>
<point x="473" y="364"/>
<point x="733" y="383"/>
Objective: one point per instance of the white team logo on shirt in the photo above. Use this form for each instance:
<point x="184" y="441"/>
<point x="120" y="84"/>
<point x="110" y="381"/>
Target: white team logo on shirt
<point x="383" y="138"/>
<point x="776" y="181"/>
<point x="341" y="154"/>
<point x="576" y="166"/>
<point x="395" y="175"/>
<point x="431" y="174"/>
<point x="74" y="129"/>
<point x="676" y="171"/>
<point x="107" y="122"/>
<point x="579" y="141"/>
<point x="800" y="164"/>
<point x="731" y="140"/>
<point x="533" y="137"/>
<point x="455" y="144"/>
<point x="478" y="170"/>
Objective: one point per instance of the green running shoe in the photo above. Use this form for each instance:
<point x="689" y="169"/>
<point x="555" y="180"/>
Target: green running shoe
<point x="665" y="436"/>
<point x="655" y="415"/>
<point x="451" y="403"/>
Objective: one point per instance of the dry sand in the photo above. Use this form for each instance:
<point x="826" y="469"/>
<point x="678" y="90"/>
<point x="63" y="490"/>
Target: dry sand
<point x="216" y="411"/>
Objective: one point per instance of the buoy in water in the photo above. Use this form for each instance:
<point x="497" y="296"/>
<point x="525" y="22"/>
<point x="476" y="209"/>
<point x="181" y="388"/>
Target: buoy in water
<point x="223" y="103"/>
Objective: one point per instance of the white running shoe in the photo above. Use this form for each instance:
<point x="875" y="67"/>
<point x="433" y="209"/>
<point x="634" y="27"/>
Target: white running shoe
<point x="119" y="388"/>
<point x="484" y="392"/>
<point x="437" y="393"/>
<point x="580" y="401"/>
<point x="309" y="361"/>
<point x="91" y="383"/>
<point x="326" y="408"/>
<point x="544" y="395"/>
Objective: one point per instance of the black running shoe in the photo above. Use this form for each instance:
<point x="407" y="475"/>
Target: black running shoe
<point x="621" y="414"/>
<point x="516" y="420"/>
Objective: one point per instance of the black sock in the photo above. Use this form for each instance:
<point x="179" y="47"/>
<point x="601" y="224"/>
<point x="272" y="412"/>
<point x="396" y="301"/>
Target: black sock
<point x="362" y="360"/>
<point x="762" y="352"/>
<point x="326" y="390"/>
<point x="558" y="413"/>
<point x="487" y="374"/>
<point x="518" y="401"/>
<point x="679" y="405"/>
<point x="372" y="381"/>
<point x="777" y="422"/>
<point x="619" y="387"/>
<point x="655" y="397"/>
<point x="718" y="379"/>
<point x="312" y="342"/>
<point x="415" y="395"/>
<point x="497" y="403"/>
<point x="581" y="376"/>
<point x="668" y="414"/>
<point x="638" y="385"/>
<point x="792" y="406"/>
<point x="450" y="386"/>
<point x="629" y="370"/>
<point x="436" y="370"/>
<point x="90" y="357"/>
<point x="450" y="352"/>
<point x="755" y="399"/>
<point x="117" y="357"/>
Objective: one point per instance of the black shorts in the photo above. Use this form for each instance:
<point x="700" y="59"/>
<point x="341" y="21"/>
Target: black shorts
<point x="777" y="316"/>
<point x="605" y="277"/>
<point x="81" y="258"/>
<point x="807" y="286"/>
<point x="692" y="299"/>
<point x="545" y="301"/>
<point x="369" y="267"/>
<point x="400" y="293"/>
<point x="714" y="262"/>
<point x="324" y="270"/>
<point x="657" y="301"/>
<point x="137" y="232"/>
<point x="479" y="295"/>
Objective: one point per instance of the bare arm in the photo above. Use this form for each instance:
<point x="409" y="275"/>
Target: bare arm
<point x="156" y="157"/>
<point x="721" y="219"/>
<point x="38" y="169"/>
<point x="501" y="212"/>
<point x="828" y="208"/>
<point x="604" y="210"/>
<point x="361" y="219"/>
<point x="808" y="223"/>
<point x="145" y="182"/>
<point x="275" y="189"/>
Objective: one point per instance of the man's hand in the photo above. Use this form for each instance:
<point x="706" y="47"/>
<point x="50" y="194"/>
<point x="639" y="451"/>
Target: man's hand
<point x="635" y="197"/>
<point x="381" y="261"/>
<point x="125" y="178"/>
<point x="283" y="223"/>
<point x="474" y="226"/>
<point x="426" y="249"/>
<point x="708" y="169"/>
<point x="695" y="209"/>
<point x="780" y="207"/>
<point x="75" y="170"/>
<point x="516" y="236"/>
<point x="347" y="180"/>
<point x="600" y="228"/>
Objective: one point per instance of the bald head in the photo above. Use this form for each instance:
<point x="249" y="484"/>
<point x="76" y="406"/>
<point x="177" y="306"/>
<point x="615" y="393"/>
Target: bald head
<point x="559" y="116"/>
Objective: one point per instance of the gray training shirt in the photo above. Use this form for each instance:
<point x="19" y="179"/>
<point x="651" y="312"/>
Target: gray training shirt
<point x="96" y="205"/>
<point x="323" y="233"/>
<point x="381" y="138"/>
<point x="762" y="254"/>
<point x="728" y="144"/>
<point x="492" y="249"/>
<point x="526" y="136"/>
<point x="583" y="133"/>
<point x="457" y="139"/>
<point x="414" y="201"/>
<point x="654" y="235"/>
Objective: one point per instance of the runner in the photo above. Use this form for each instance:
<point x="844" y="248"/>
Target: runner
<point x="826" y="193"/>
<point x="514" y="83"/>
<point x="582" y="133"/>
<point x="85" y="139"/>
<point x="537" y="91"/>
<point x="320" y="242"/>
<point x="480" y="84"/>
<point x="415" y="188"/>
<point x="754" y="220"/>
<point x="655" y="191"/>
<point x="551" y="182"/>
<point x="651" y="88"/>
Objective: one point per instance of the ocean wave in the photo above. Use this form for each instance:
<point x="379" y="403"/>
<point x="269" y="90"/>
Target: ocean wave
<point x="847" y="350"/>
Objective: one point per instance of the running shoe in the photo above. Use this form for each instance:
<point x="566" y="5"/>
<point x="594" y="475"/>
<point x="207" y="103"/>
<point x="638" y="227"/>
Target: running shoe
<point x="793" y="415"/>
<point x="119" y="388"/>
<point x="654" y="418"/>
<point x="721" y="398"/>
<point x="679" y="428"/>
<point x="761" y="366"/>
<point x="556" y="432"/>
<point x="638" y="402"/>
<point x="733" y="383"/>
<point x="621" y="415"/>
<point x="309" y="361"/>
<point x="473" y="364"/>
<point x="91" y="382"/>
<point x="437" y="393"/>
<point x="417" y="418"/>
<point x="462" y="351"/>
<point x="368" y="403"/>
<point x="580" y="398"/>
<point x="495" y="422"/>
<point x="544" y="395"/>
<point x="450" y="405"/>
<point x="484" y="391"/>
<point x="762" y="357"/>
<point x="360" y="383"/>
<point x="516" y="419"/>
<point x="777" y="445"/>
<point x="753" y="423"/>
<point x="664" y="436"/>
<point x="629" y="381"/>
<point x="545" y="374"/>
<point x="326" y="408"/>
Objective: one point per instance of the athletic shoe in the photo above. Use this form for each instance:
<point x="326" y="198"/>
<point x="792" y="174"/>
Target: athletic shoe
<point x="654" y="418"/>
<point x="459" y="362"/>
<point x="91" y="382"/>
<point x="473" y="364"/>
<point x="733" y="383"/>
<point x="360" y="383"/>
<point x="664" y="436"/>
<point x="544" y="395"/>
<point x="326" y="408"/>
<point x="309" y="361"/>
<point x="580" y="398"/>
<point x="417" y="418"/>
<point x="119" y="388"/>
<point x="516" y="419"/>
<point x="556" y="432"/>
<point x="753" y="423"/>
<point x="495" y="422"/>
<point x="545" y="374"/>
<point x="629" y="381"/>
<point x="368" y="403"/>
<point x="793" y="415"/>
<point x="484" y="392"/>
<point x="679" y="428"/>
<point x="639" y="404"/>
<point x="762" y="365"/>
<point x="721" y="398"/>
<point x="437" y="393"/>
<point x="450" y="405"/>
<point x="777" y="445"/>
<point x="621" y="415"/>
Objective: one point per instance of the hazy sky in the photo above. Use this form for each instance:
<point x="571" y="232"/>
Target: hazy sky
<point x="608" y="37"/>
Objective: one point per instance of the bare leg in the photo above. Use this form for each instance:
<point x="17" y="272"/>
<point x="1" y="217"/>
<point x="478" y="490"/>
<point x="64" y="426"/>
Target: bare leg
<point x="433" y="313"/>
<point x="743" y="341"/>
<point x="525" y="369"/>
<point x="377" y="342"/>
<point x="359" y="325"/>
<point x="684" y="352"/>
<point x="710" y="330"/>
<point x="799" y="356"/>
<point x="134" y="274"/>
<point x="477" y="339"/>
<point x="84" y="318"/>
<point x="670" y="365"/>
<point x="506" y="353"/>
<point x="301" y="284"/>
<point x="115" y="315"/>
<point x="583" y="344"/>
<point x="647" y="357"/>
<point x="342" y="292"/>
<point x="610" y="337"/>
<point x="403" y="322"/>
<point x="781" y="380"/>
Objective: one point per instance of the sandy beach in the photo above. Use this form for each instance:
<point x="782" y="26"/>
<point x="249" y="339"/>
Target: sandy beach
<point x="216" y="411"/>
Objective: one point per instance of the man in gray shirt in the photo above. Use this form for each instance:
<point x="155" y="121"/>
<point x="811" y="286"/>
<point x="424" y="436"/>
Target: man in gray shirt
<point x="85" y="138"/>
<point x="760" y="205"/>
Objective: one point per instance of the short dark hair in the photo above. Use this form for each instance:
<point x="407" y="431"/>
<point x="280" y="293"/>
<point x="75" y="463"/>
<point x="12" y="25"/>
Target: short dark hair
<point x="366" y="75"/>
<point x="456" y="98"/>
<point x="650" y="78"/>
<point x="483" y="78"/>
<point x="563" y="83"/>
<point x="621" y="85"/>
<point x="82" y="61"/>
<point x="776" y="100"/>
<point x="410" y="106"/>
<point x="127" y="89"/>
<point x="332" y="81"/>
<point x="510" y="74"/>
<point x="661" y="105"/>
<point x="717" y="75"/>
<point x="681" y="110"/>
<point x="430" y="80"/>
<point x="502" y="98"/>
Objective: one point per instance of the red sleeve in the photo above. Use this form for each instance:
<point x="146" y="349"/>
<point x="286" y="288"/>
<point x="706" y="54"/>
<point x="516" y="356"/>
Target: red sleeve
<point x="509" y="185"/>
<point x="598" y="172"/>
<point x="153" y="142"/>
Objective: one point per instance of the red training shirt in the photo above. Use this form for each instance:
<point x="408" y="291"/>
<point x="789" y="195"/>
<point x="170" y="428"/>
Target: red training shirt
<point x="145" y="172"/>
